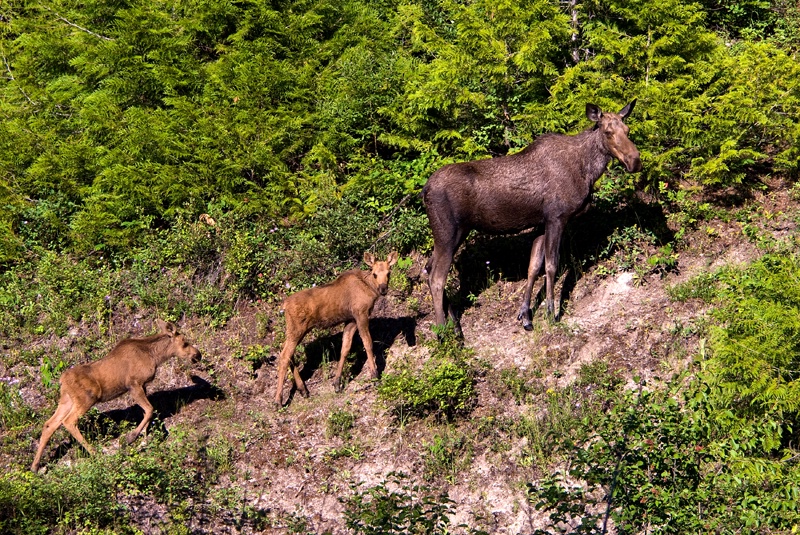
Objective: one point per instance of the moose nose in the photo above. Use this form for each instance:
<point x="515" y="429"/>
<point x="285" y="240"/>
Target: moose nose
<point x="633" y="163"/>
<point x="383" y="288"/>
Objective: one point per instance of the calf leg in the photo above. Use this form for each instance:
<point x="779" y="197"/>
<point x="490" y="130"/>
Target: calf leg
<point x="347" y="342"/>
<point x="55" y="421"/>
<point x="79" y="408"/>
<point x="140" y="398"/>
<point x="363" y="329"/>
<point x="534" y="267"/>
<point x="284" y="362"/>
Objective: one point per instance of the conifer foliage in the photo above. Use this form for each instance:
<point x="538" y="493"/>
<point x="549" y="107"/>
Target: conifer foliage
<point x="119" y="117"/>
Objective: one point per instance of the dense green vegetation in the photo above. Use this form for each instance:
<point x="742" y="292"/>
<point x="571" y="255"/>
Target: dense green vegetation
<point x="182" y="156"/>
<point x="716" y="452"/>
<point x="121" y="119"/>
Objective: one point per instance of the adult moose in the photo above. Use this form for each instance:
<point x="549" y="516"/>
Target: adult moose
<point x="548" y="182"/>
<point x="349" y="299"/>
<point x="127" y="368"/>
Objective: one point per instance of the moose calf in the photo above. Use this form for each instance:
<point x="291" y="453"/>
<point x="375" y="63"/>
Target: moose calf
<point x="128" y="368"/>
<point x="350" y="298"/>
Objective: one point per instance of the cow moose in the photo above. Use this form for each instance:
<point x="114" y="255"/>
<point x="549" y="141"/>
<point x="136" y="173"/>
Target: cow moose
<point x="129" y="367"/>
<point x="549" y="182"/>
<point x="349" y="299"/>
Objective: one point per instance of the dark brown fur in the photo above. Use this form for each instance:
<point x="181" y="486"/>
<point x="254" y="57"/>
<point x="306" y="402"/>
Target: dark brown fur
<point x="548" y="182"/>
<point x="127" y="368"/>
<point x="350" y="298"/>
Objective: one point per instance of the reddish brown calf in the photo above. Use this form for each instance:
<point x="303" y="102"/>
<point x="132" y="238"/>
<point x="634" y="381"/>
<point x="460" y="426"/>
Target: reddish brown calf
<point x="350" y="298"/>
<point x="128" y="368"/>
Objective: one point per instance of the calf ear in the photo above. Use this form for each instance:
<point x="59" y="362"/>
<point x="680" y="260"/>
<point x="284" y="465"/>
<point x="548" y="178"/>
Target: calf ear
<point x="627" y="110"/>
<point x="369" y="259"/>
<point x="166" y="327"/>
<point x="392" y="258"/>
<point x="593" y="112"/>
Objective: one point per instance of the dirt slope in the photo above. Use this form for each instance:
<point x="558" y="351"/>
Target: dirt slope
<point x="288" y="466"/>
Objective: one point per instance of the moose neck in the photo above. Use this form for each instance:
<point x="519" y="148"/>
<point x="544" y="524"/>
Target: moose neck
<point x="366" y="276"/>
<point x="595" y="156"/>
<point x="159" y="349"/>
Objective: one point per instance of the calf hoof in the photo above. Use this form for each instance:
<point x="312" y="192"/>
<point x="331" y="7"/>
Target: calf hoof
<point x="129" y="438"/>
<point x="303" y="392"/>
<point x="337" y="386"/>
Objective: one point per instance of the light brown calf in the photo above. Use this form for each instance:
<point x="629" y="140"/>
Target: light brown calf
<point x="128" y="368"/>
<point x="349" y="299"/>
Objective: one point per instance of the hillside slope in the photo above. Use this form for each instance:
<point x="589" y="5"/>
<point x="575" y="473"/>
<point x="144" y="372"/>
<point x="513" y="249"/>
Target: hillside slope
<point x="286" y="471"/>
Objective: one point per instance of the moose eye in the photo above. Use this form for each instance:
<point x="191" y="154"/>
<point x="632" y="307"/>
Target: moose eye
<point x="374" y="276"/>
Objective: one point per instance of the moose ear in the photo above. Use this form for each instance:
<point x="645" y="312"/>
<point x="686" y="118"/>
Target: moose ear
<point x="593" y="112"/>
<point x="166" y="327"/>
<point x="369" y="259"/>
<point x="627" y="110"/>
<point x="392" y="258"/>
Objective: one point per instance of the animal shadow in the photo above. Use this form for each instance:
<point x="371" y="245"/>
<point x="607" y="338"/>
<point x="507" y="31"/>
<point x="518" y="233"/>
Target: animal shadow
<point x="485" y="258"/>
<point x="96" y="425"/>
<point x="384" y="332"/>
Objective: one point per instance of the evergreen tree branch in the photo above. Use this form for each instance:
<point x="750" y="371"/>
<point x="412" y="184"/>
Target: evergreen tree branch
<point x="81" y="28"/>
<point x="11" y="77"/>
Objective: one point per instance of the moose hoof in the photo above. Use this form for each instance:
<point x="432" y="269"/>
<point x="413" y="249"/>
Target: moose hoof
<point x="337" y="386"/>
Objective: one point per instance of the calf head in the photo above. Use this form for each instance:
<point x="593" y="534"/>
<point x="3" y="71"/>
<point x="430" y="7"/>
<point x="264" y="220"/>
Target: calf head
<point x="178" y="345"/>
<point x="380" y="270"/>
<point x="615" y="135"/>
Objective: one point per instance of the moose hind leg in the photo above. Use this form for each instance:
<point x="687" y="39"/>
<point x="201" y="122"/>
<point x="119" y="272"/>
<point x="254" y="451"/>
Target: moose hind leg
<point x="551" y="250"/>
<point x="347" y="342"/>
<point x="441" y="261"/>
<point x="71" y="424"/>
<point x="55" y="421"/>
<point x="534" y="268"/>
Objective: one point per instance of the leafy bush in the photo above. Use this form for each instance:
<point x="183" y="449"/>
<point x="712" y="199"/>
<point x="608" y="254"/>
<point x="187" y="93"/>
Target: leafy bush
<point x="706" y="454"/>
<point x="340" y="422"/>
<point x="393" y="506"/>
<point x="93" y="492"/>
<point x="443" y="387"/>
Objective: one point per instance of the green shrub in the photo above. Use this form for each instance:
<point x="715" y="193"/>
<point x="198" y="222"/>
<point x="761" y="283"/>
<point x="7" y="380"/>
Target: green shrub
<point x="443" y="387"/>
<point x="91" y="493"/>
<point x="445" y="455"/>
<point x="340" y="423"/>
<point x="395" y="507"/>
<point x="711" y="452"/>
